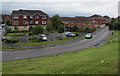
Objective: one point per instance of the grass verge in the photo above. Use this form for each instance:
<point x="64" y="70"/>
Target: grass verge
<point x="102" y="60"/>
<point x="3" y="47"/>
<point x="15" y="34"/>
<point x="114" y="36"/>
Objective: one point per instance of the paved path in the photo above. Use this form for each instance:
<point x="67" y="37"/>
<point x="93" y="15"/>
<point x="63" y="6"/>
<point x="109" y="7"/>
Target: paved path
<point x="98" y="39"/>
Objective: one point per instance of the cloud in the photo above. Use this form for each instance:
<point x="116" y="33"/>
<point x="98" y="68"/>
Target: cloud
<point x="60" y="0"/>
<point x="65" y="8"/>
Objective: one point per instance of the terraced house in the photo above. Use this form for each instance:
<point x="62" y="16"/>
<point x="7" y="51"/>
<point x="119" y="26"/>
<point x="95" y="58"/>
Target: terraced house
<point x="24" y="19"/>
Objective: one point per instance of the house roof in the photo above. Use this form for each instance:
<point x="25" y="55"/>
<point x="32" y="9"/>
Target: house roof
<point x="96" y="16"/>
<point x="27" y="12"/>
<point x="79" y="20"/>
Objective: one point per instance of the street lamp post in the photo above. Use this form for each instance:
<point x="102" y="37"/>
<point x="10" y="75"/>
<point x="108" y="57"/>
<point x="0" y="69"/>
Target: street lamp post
<point x="27" y="32"/>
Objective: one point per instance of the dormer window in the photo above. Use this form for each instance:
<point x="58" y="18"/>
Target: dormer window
<point x="43" y="17"/>
<point x="36" y="17"/>
<point x="24" y="17"/>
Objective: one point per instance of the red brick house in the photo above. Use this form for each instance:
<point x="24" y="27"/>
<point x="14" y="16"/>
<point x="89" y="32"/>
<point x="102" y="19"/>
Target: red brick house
<point x="93" y="21"/>
<point x="24" y="19"/>
<point x="100" y="19"/>
<point x="78" y="21"/>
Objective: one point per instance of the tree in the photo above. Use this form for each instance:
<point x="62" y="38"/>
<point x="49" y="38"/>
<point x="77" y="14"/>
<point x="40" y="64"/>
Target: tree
<point x="87" y="29"/>
<point x="114" y="25"/>
<point x="56" y="21"/>
<point x="37" y="30"/>
<point x="75" y="28"/>
<point x="49" y="27"/>
<point x="8" y="22"/>
<point x="61" y="29"/>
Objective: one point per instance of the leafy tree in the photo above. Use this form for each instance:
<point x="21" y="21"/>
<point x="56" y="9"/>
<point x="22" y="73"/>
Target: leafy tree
<point x="114" y="25"/>
<point x="8" y="22"/>
<point x="87" y="29"/>
<point x="49" y="27"/>
<point x="61" y="29"/>
<point x="56" y="21"/>
<point x="75" y="28"/>
<point x="37" y="30"/>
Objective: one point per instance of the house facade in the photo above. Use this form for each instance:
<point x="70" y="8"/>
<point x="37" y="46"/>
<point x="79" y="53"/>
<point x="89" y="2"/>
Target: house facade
<point x="24" y="19"/>
<point x="78" y="21"/>
<point x="92" y="22"/>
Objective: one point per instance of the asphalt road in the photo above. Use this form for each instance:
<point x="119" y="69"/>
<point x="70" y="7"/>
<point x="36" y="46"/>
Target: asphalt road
<point x="97" y="39"/>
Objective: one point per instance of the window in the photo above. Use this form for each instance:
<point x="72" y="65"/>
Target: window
<point x="15" y="17"/>
<point x="43" y="17"/>
<point x="31" y="22"/>
<point x="31" y="17"/>
<point x="43" y="22"/>
<point x="36" y="17"/>
<point x="16" y="22"/>
<point x="24" y="22"/>
<point x="24" y="17"/>
<point x="36" y="22"/>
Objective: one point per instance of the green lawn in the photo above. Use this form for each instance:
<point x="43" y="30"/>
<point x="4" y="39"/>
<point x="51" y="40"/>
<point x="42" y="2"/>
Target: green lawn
<point x="10" y="48"/>
<point x="14" y="34"/>
<point x="114" y="36"/>
<point x="101" y="60"/>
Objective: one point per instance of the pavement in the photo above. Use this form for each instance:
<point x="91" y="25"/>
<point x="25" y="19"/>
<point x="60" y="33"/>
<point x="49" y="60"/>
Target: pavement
<point x="98" y="39"/>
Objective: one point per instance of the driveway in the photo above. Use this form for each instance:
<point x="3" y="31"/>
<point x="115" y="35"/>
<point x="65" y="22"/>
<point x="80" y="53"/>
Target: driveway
<point x="97" y="39"/>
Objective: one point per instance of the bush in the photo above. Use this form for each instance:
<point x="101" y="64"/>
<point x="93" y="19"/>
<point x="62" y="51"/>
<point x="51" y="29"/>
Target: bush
<point x="35" y="39"/>
<point x="8" y="29"/>
<point x="10" y="40"/>
<point x="61" y="29"/>
<point x="37" y="30"/>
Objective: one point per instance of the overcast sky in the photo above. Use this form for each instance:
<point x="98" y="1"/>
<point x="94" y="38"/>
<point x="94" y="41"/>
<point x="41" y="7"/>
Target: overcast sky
<point x="64" y="7"/>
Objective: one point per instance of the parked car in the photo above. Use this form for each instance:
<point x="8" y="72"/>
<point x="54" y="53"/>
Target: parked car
<point x="69" y="34"/>
<point x="88" y="36"/>
<point x="2" y="25"/>
<point x="43" y="37"/>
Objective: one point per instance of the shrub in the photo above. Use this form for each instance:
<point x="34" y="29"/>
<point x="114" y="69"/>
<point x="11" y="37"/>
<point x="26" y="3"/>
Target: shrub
<point x="8" y="29"/>
<point x="61" y="29"/>
<point x="10" y="40"/>
<point x="37" y="30"/>
<point x="35" y="39"/>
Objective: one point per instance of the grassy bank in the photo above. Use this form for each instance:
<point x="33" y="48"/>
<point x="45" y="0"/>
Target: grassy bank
<point x="114" y="36"/>
<point x="102" y="60"/>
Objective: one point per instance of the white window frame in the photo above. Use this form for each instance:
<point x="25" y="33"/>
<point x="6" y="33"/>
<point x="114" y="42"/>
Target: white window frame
<point x="24" y="16"/>
<point x="24" y="22"/>
<point x="36" y="17"/>
<point x="15" y="22"/>
<point x="43" y="22"/>
<point x="44" y="16"/>
<point x="36" y="22"/>
<point x="15" y="17"/>
<point x="31" y="22"/>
